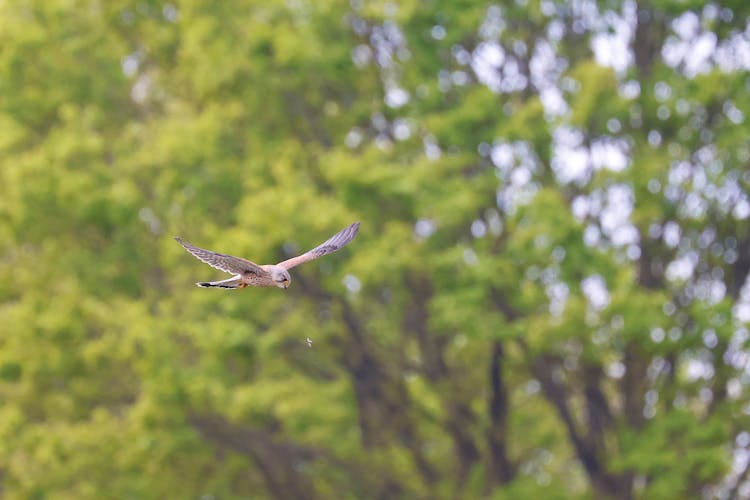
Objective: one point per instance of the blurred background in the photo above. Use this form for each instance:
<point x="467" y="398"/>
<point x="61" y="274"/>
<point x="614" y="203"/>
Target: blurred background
<point x="548" y="296"/>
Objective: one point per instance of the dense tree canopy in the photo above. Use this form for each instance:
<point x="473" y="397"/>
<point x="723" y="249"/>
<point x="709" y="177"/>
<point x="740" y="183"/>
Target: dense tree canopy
<point x="548" y="295"/>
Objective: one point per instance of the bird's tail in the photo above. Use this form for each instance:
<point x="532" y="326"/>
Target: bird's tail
<point x="233" y="282"/>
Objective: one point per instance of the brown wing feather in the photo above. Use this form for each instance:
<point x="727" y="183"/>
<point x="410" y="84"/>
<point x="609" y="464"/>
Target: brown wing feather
<point x="332" y="244"/>
<point x="223" y="262"/>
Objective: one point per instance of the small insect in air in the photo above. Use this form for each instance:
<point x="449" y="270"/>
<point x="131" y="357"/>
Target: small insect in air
<point x="309" y="342"/>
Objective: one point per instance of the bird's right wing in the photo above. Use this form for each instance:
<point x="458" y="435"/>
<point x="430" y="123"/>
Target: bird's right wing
<point x="332" y="244"/>
<point x="223" y="262"/>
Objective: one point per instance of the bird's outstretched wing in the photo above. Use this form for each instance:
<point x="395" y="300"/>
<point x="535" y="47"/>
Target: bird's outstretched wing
<point x="223" y="262"/>
<point x="334" y="243"/>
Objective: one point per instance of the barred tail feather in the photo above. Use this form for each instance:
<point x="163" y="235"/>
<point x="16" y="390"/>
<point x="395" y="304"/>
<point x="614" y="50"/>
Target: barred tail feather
<point x="233" y="282"/>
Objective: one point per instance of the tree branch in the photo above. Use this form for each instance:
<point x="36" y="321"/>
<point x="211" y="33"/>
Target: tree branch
<point x="604" y="483"/>
<point x="500" y="465"/>
<point x="278" y="461"/>
<point x="382" y="399"/>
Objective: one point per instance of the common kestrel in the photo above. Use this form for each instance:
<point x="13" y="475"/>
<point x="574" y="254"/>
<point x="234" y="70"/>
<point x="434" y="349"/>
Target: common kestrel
<point x="248" y="273"/>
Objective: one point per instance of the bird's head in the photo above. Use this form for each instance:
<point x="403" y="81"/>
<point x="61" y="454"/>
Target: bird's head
<point x="281" y="277"/>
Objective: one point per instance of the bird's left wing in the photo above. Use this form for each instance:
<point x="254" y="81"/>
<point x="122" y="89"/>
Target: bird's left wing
<point x="223" y="262"/>
<point x="332" y="244"/>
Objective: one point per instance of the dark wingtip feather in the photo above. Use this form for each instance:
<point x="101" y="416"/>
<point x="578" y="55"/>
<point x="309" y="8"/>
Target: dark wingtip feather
<point x="350" y="231"/>
<point x="353" y="230"/>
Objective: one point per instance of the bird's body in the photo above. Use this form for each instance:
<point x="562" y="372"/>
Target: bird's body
<point x="250" y="278"/>
<point x="247" y="273"/>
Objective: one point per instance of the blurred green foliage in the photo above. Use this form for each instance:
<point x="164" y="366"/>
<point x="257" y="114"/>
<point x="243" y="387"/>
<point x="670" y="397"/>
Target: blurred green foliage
<point x="545" y="299"/>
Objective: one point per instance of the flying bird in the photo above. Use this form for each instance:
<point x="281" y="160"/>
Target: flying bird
<point x="248" y="273"/>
